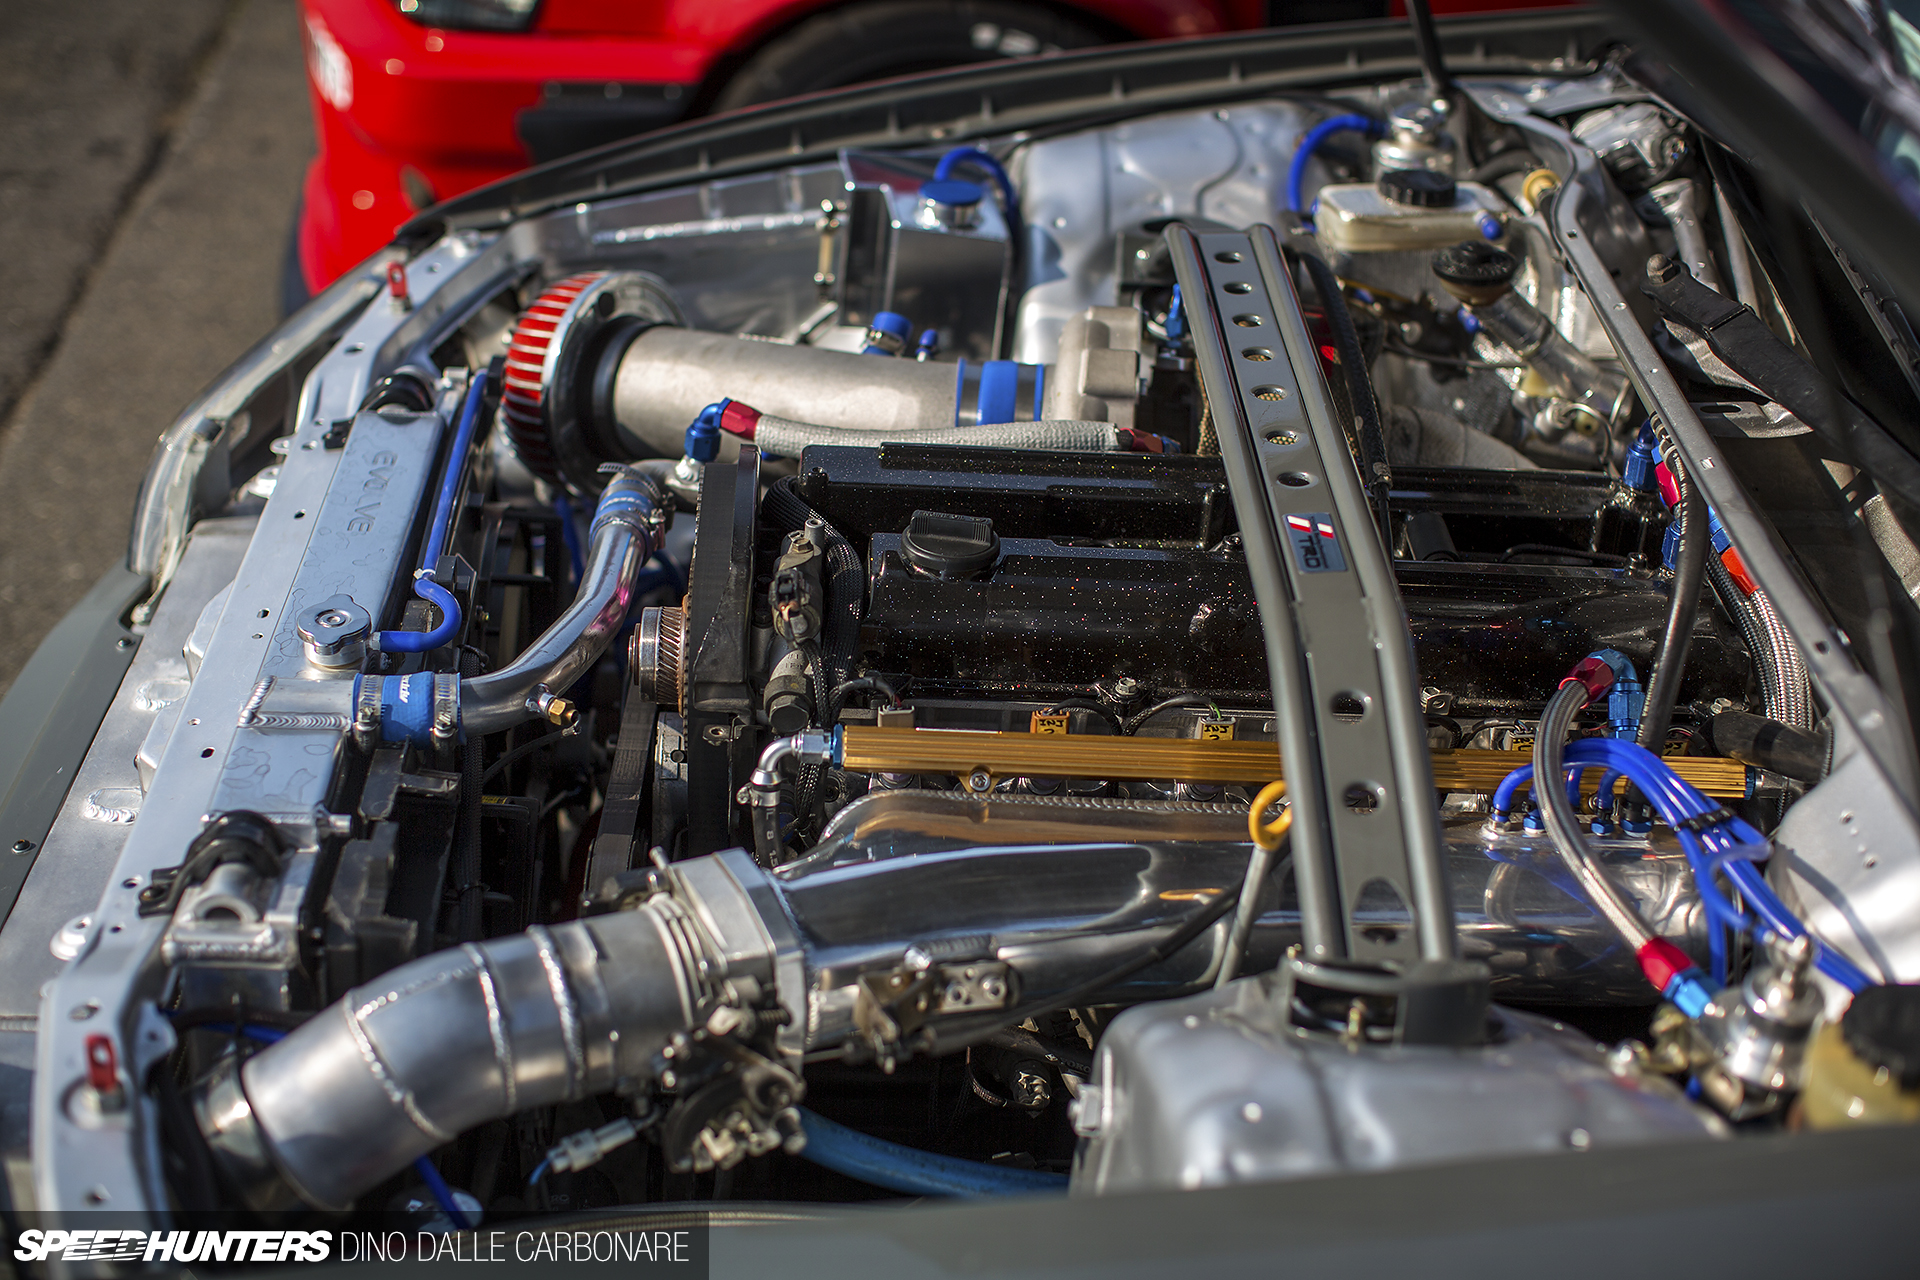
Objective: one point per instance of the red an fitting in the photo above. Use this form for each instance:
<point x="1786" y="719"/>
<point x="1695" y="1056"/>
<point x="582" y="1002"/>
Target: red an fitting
<point x="1669" y="487"/>
<point x="739" y="420"/>
<point x="1138" y="441"/>
<point x="1662" y="962"/>
<point x="1593" y="674"/>
<point x="1737" y="569"/>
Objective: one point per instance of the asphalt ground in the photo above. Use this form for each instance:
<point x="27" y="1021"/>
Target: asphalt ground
<point x="151" y="153"/>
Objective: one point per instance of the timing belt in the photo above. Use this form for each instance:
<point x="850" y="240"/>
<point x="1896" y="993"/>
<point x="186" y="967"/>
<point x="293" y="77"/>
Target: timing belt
<point x="1345" y="694"/>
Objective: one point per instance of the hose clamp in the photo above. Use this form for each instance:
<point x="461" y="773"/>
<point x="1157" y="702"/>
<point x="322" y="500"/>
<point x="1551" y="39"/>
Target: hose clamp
<point x="446" y="709"/>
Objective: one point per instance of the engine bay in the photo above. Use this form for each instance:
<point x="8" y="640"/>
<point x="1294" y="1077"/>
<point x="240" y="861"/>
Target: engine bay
<point x="1003" y="668"/>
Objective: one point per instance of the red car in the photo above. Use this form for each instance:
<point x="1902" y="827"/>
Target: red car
<point x="418" y="100"/>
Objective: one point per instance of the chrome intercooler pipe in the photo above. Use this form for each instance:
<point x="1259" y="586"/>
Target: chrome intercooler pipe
<point x="625" y="532"/>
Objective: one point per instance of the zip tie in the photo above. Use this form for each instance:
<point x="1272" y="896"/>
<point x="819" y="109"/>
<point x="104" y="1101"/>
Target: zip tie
<point x="1701" y="821"/>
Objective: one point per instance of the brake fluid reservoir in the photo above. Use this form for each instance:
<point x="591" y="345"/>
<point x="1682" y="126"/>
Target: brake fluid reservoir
<point x="1407" y="209"/>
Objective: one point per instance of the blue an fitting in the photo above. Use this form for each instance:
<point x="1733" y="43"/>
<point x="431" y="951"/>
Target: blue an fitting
<point x="1721" y="538"/>
<point x="1627" y="699"/>
<point x="703" y="433"/>
<point x="1176" y="319"/>
<point x="1534" y="823"/>
<point x="1490" y="227"/>
<point x="929" y="345"/>
<point x="887" y="334"/>
<point x="1637" y="471"/>
<point x="1670" y="545"/>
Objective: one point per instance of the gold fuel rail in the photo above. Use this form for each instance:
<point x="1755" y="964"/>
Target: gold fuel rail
<point x="969" y="754"/>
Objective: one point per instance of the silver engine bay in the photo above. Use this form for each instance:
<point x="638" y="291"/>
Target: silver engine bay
<point x="767" y="689"/>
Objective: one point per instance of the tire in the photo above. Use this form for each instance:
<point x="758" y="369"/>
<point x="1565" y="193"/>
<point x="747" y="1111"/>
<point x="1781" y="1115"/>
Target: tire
<point x="294" y="293"/>
<point x="895" y="38"/>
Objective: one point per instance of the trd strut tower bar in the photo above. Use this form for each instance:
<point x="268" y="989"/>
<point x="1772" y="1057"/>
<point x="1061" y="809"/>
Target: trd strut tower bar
<point x="1344" y="690"/>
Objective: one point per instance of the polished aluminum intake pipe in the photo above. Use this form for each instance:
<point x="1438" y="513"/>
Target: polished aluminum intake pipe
<point x="1482" y="277"/>
<point x="668" y="375"/>
<point x="626" y="530"/>
<point x="407" y="1063"/>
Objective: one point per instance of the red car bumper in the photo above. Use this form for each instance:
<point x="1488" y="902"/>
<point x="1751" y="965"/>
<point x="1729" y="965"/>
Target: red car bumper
<point x="408" y="115"/>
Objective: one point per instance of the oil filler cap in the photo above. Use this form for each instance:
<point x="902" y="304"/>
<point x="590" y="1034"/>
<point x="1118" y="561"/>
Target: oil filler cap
<point x="950" y="545"/>
<point x="1882" y="1026"/>
<point x="1421" y="188"/>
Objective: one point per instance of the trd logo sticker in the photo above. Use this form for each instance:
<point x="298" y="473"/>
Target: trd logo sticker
<point x="1316" y="547"/>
